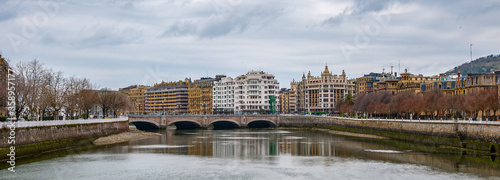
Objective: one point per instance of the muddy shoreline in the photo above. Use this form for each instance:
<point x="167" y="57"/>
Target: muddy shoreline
<point x="132" y="134"/>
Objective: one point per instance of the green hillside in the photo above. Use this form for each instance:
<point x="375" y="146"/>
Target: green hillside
<point x="486" y="64"/>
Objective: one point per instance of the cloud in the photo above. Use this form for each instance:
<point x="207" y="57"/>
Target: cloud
<point x="223" y="19"/>
<point x="285" y="38"/>
<point x="108" y="36"/>
<point x="358" y="9"/>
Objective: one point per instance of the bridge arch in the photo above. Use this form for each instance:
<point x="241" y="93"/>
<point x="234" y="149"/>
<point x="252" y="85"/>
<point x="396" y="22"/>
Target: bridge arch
<point x="261" y="123"/>
<point x="145" y="124"/>
<point x="225" y="124"/>
<point x="185" y="124"/>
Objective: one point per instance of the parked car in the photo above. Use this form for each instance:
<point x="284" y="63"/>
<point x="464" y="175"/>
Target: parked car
<point x="14" y="119"/>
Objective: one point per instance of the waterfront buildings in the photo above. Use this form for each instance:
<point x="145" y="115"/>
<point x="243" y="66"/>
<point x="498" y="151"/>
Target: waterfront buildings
<point x="319" y="94"/>
<point x="284" y="99"/>
<point x="412" y="83"/>
<point x="292" y="97"/>
<point x="251" y="93"/>
<point x="373" y="82"/>
<point x="377" y="82"/>
<point x="447" y="86"/>
<point x="223" y="95"/>
<point x="474" y="83"/>
<point x="137" y="97"/>
<point x="461" y="85"/>
<point x="200" y="95"/>
<point x="167" y="98"/>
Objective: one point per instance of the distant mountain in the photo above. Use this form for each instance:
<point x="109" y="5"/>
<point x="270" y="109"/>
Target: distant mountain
<point x="481" y="65"/>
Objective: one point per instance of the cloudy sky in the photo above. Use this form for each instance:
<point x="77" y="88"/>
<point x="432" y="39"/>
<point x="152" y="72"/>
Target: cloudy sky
<point x="120" y="43"/>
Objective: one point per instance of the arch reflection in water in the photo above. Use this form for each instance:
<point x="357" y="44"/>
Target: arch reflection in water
<point x="258" y="144"/>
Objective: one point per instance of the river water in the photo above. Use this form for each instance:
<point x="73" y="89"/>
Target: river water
<point x="258" y="154"/>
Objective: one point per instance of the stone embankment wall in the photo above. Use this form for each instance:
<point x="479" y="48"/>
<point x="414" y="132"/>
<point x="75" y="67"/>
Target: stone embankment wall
<point x="29" y="135"/>
<point x="464" y="130"/>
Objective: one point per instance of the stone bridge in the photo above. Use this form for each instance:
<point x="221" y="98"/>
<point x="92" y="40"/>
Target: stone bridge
<point x="144" y="122"/>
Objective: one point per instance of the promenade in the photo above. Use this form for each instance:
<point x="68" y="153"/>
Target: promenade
<point x="25" y="124"/>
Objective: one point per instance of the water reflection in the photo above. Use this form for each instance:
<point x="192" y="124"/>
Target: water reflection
<point x="258" y="154"/>
<point x="264" y="144"/>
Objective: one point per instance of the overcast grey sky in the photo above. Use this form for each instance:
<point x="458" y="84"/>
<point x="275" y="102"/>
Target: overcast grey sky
<point x="120" y="43"/>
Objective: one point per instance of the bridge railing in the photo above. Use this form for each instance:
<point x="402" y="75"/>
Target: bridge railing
<point x="404" y="120"/>
<point x="425" y="120"/>
<point x="25" y="124"/>
<point x="208" y="115"/>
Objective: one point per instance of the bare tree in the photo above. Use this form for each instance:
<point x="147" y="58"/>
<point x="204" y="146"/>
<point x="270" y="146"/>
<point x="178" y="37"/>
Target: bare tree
<point x="120" y="102"/>
<point x="470" y="105"/>
<point x="492" y="102"/>
<point x="76" y="97"/>
<point x="32" y="76"/>
<point x="112" y="101"/>
<point x="106" y="99"/>
<point x="4" y="75"/>
<point x="88" y="98"/>
<point x="54" y="92"/>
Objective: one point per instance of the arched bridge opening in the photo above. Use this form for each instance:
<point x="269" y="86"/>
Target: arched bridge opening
<point x="225" y="124"/>
<point x="145" y="125"/>
<point x="186" y="124"/>
<point x="261" y="124"/>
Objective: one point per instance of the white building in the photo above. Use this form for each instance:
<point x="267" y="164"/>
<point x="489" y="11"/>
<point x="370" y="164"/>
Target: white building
<point x="223" y="96"/>
<point x="253" y="91"/>
<point x="245" y="94"/>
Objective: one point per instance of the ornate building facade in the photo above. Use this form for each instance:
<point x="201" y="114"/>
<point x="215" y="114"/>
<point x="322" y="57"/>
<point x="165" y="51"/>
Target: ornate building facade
<point x="319" y="94"/>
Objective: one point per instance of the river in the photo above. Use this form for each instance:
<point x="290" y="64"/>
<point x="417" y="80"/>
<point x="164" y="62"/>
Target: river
<point x="258" y="154"/>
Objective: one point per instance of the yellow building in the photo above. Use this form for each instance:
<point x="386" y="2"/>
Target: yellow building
<point x="284" y="100"/>
<point x="292" y="97"/>
<point x="474" y="83"/>
<point x="138" y="99"/>
<point x="200" y="95"/>
<point x="411" y="83"/>
<point x="372" y="82"/>
<point x="361" y="85"/>
<point x="167" y="98"/>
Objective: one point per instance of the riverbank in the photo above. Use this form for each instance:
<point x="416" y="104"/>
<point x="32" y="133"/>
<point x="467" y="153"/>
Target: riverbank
<point x="28" y="153"/>
<point x="132" y="134"/>
<point x="412" y="141"/>
<point x="342" y="133"/>
<point x="476" y="138"/>
<point x="34" y="152"/>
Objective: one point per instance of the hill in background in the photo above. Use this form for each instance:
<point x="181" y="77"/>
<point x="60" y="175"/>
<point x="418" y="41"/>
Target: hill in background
<point x="481" y="65"/>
